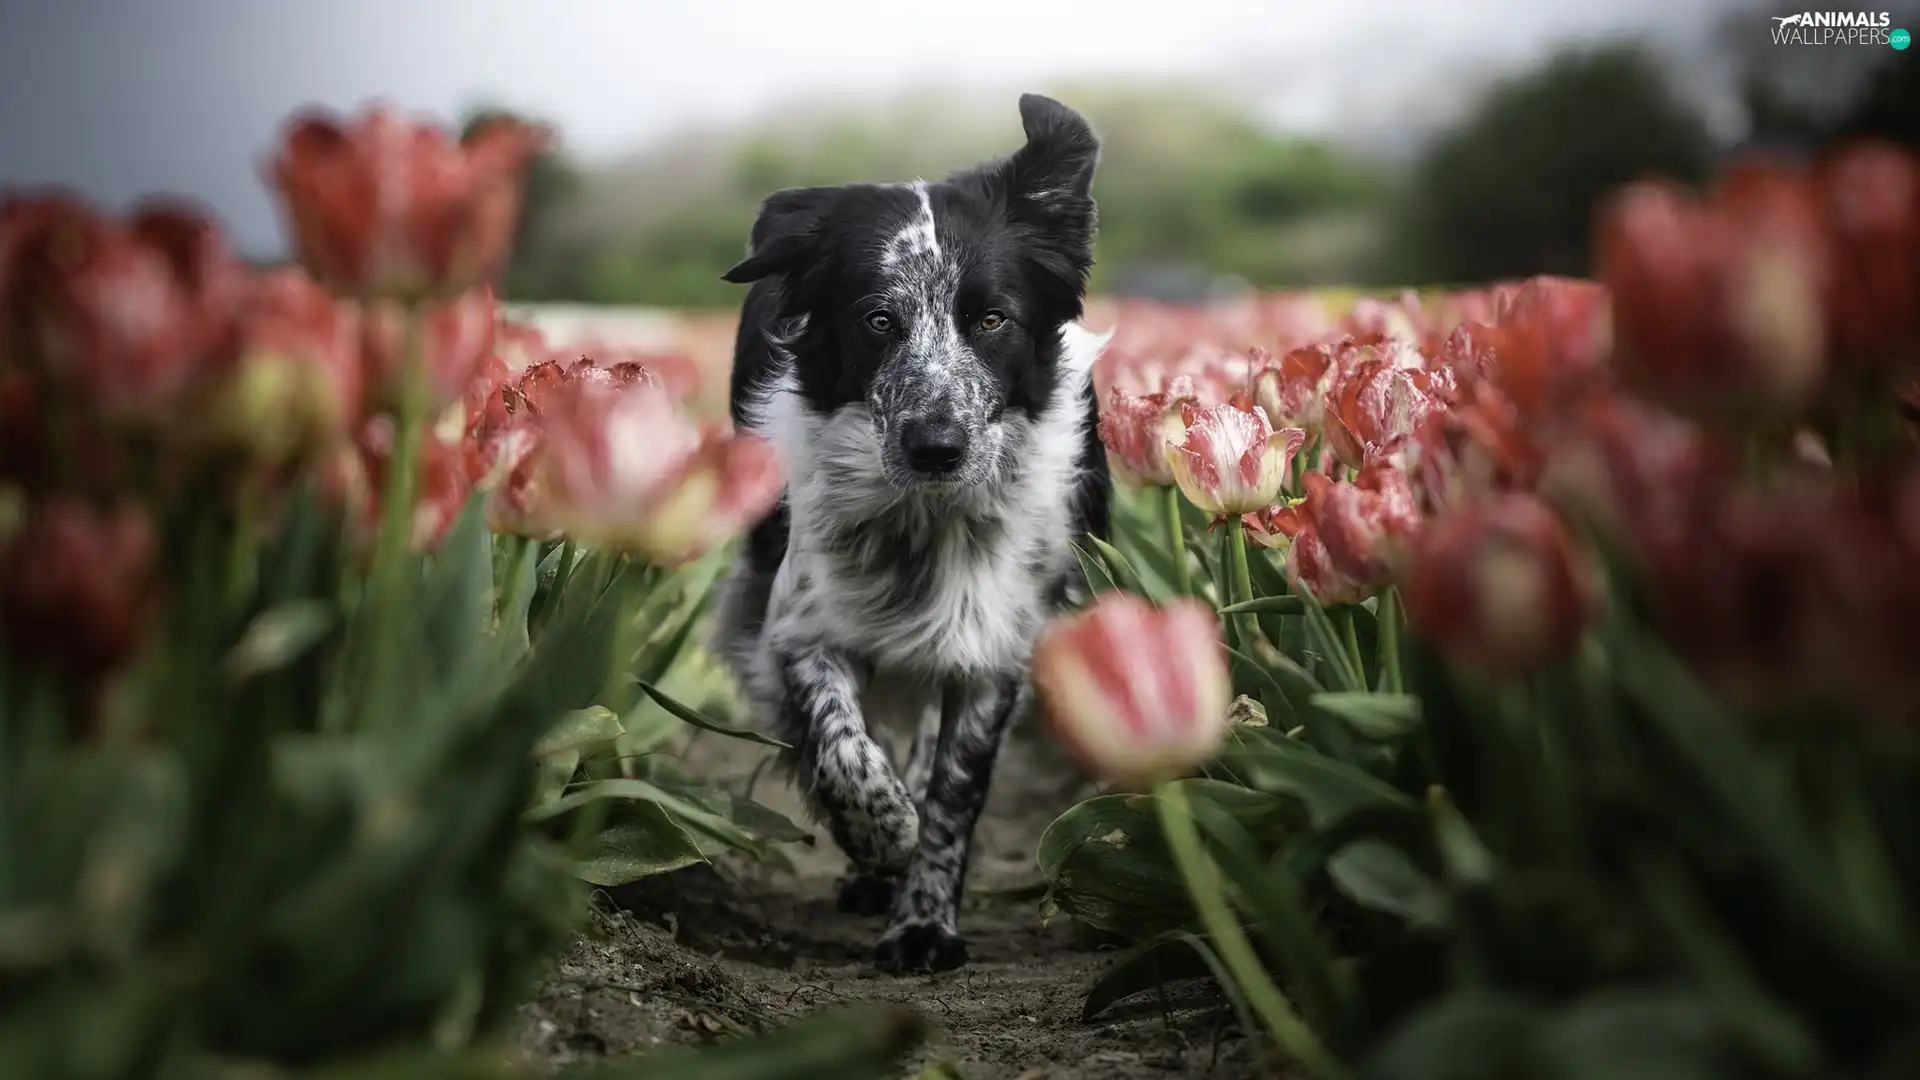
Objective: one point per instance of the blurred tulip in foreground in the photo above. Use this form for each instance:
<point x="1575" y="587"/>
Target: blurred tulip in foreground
<point x="454" y="339"/>
<point x="295" y="384"/>
<point x="1719" y="307"/>
<point x="133" y="317"/>
<point x="77" y="588"/>
<point x="1500" y="585"/>
<point x="1135" y="693"/>
<point x="626" y="469"/>
<point x="383" y="206"/>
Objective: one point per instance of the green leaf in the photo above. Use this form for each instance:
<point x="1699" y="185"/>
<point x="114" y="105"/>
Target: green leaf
<point x="1331" y="791"/>
<point x="1277" y="907"/>
<point x="1098" y="580"/>
<point x="1119" y="569"/>
<point x="1379" y="876"/>
<point x="1768" y="1026"/>
<point x="645" y="841"/>
<point x="697" y="719"/>
<point x="280" y="636"/>
<point x="516" y="603"/>
<point x="1650" y="1033"/>
<point x="1162" y="959"/>
<point x="1470" y="1035"/>
<point x="1374" y="717"/>
<point x="579" y="730"/>
<point x="554" y="773"/>
<point x="457" y="597"/>
<point x="763" y="823"/>
<point x="1267" y="605"/>
<point x="688" y="813"/>
<point x="1106" y="864"/>
<point x="1332" y="647"/>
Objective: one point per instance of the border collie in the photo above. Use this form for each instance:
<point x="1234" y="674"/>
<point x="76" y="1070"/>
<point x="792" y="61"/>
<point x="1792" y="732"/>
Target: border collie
<point x="914" y="352"/>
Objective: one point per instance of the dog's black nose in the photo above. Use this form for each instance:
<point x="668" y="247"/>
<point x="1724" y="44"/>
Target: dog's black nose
<point x="934" y="446"/>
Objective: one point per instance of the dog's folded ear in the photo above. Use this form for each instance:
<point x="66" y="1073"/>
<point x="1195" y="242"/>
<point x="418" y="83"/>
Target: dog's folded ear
<point x="1049" y="184"/>
<point x="784" y="233"/>
<point x="1055" y="169"/>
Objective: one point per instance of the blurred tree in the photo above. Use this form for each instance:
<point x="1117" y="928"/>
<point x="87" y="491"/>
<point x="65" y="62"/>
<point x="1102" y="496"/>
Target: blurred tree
<point x="1888" y="106"/>
<point x="1511" y="191"/>
<point x="1188" y="187"/>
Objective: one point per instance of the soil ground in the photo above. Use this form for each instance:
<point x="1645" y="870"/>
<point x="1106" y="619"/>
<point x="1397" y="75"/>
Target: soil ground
<point x="714" y="950"/>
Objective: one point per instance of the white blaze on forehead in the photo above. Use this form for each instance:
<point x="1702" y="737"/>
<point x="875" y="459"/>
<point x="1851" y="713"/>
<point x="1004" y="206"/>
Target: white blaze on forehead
<point x="923" y="283"/>
<point x="918" y="237"/>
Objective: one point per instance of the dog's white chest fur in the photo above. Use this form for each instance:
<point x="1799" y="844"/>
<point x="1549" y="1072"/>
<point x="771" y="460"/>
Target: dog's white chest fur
<point x="927" y="583"/>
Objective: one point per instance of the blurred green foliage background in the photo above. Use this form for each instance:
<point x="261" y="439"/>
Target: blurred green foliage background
<point x="1196" y="195"/>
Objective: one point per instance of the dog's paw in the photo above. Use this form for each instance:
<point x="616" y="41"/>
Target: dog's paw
<point x="918" y="947"/>
<point x="866" y="894"/>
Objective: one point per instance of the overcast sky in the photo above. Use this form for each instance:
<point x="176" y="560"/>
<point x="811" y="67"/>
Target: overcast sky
<point x="121" y="97"/>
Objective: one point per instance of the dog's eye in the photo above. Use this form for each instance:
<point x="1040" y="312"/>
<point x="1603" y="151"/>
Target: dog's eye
<point x="992" y="320"/>
<point x="880" y="322"/>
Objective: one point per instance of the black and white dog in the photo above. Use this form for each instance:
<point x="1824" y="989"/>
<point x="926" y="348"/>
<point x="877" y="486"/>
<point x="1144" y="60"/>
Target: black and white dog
<point x="914" y="352"/>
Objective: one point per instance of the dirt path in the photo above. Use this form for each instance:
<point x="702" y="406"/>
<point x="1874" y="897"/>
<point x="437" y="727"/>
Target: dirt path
<point x="709" y="951"/>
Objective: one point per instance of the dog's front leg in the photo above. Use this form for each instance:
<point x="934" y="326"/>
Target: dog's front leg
<point x="845" y="773"/>
<point x="923" y="931"/>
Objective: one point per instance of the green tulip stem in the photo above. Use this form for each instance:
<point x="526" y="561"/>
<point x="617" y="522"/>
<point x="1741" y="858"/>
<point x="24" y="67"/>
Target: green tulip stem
<point x="1353" y="643"/>
<point x="1177" y="541"/>
<point x="1391" y="680"/>
<point x="403" y="464"/>
<point x="1248" y="623"/>
<point x="1230" y="942"/>
<point x="563" y="573"/>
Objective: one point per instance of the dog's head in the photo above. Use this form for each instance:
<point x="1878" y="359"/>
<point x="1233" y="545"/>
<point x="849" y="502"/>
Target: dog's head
<point x="935" y="309"/>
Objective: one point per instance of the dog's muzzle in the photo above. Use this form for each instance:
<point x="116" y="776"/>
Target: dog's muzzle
<point x="934" y="446"/>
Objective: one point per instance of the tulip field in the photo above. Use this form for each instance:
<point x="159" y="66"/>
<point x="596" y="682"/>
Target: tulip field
<point x="1495" y="682"/>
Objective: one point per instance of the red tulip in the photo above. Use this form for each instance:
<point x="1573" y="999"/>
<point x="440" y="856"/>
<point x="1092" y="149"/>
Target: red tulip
<point x="1718" y="308"/>
<point x="134" y="318"/>
<point x="1275" y="527"/>
<point x="77" y="588"/>
<point x="1479" y="444"/>
<point x="1231" y="461"/>
<point x="675" y="373"/>
<point x="1309" y="565"/>
<point x="24" y="218"/>
<point x="485" y="404"/>
<point x="1870" y="194"/>
<point x="1374" y="407"/>
<point x="1293" y="389"/>
<point x="1311" y="570"/>
<point x="538" y="387"/>
<point x="1634" y="473"/>
<point x="1367" y="523"/>
<point x="627" y="470"/>
<point x="1500" y="585"/>
<point x="1139" y="430"/>
<point x="384" y="207"/>
<point x="1135" y="693"/>
<point x="294" y="386"/>
<point x="505" y="463"/>
<point x="1554" y="337"/>
<point x="444" y="484"/>
<point x="455" y="342"/>
<point x="520" y="345"/>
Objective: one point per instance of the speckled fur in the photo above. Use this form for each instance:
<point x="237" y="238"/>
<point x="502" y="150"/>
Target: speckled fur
<point x="877" y="592"/>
